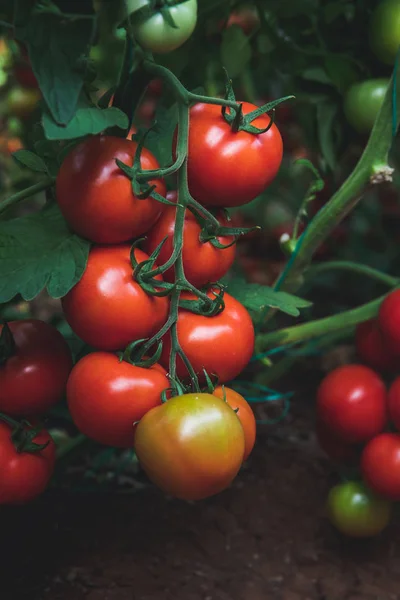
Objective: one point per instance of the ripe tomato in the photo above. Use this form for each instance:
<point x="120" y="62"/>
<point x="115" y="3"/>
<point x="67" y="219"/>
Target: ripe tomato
<point x="107" y="396"/>
<point x="356" y="511"/>
<point x="107" y="309"/>
<point x="202" y="262"/>
<point x="333" y="446"/>
<point x="351" y="402"/>
<point x="191" y="447"/>
<point x="21" y="102"/>
<point x="156" y="33"/>
<point x="245" y="414"/>
<point x="385" y="31"/>
<point x="222" y="344"/>
<point x="24" y="75"/>
<point x="373" y="348"/>
<point x="362" y="103"/>
<point x="96" y="197"/>
<point x="245" y="17"/>
<point x="394" y="403"/>
<point x="227" y="168"/>
<point x="389" y="320"/>
<point x="380" y="465"/>
<point x="33" y="379"/>
<point x="24" y="475"/>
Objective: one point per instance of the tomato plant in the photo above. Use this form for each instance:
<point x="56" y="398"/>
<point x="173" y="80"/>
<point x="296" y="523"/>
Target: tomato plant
<point x="380" y="465"/>
<point x="35" y="368"/>
<point x="351" y="402"/>
<point x="107" y="308"/>
<point x="203" y="263"/>
<point x="389" y="320"/>
<point x="192" y="446"/>
<point x="24" y="475"/>
<point x="356" y="511"/>
<point x="244" y="413"/>
<point x="362" y="103"/>
<point x="106" y="396"/>
<point x="372" y="347"/>
<point x="385" y="30"/>
<point x="160" y="33"/>
<point x="89" y="177"/>
<point x="228" y="167"/>
<point x="222" y="344"/>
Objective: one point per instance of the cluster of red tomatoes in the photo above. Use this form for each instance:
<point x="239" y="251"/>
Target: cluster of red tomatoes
<point x="358" y="424"/>
<point x="191" y="445"/>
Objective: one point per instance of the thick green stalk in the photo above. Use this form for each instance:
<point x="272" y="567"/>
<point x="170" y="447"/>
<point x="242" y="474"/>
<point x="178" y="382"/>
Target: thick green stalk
<point x="26" y="193"/>
<point x="343" y="265"/>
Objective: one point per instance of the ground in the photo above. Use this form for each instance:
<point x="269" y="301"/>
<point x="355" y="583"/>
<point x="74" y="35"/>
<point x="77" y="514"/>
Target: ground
<point x="264" y="539"/>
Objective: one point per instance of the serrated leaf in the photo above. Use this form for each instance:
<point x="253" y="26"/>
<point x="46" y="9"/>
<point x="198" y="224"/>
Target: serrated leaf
<point x="235" y="50"/>
<point x="87" y="121"/>
<point x="39" y="251"/>
<point x="326" y="119"/>
<point x="28" y="159"/>
<point x="257" y="297"/>
<point x="56" y="47"/>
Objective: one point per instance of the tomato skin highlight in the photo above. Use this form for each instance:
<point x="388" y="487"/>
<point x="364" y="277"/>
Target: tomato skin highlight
<point x="107" y="309"/>
<point x="385" y="31"/>
<point x="227" y="168"/>
<point x="362" y="103"/>
<point x="202" y="262"/>
<point x="373" y="348"/>
<point x="380" y="465"/>
<point x="245" y="414"/>
<point x="356" y="511"/>
<point x="389" y="320"/>
<point x="351" y="402"/>
<point x="191" y="447"/>
<point x="33" y="379"/>
<point x="96" y="197"/>
<point x="223" y="344"/>
<point x="24" y="475"/>
<point x="107" y="396"/>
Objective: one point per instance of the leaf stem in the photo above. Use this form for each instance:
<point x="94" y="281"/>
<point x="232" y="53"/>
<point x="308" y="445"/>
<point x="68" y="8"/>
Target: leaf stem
<point x="26" y="193"/>
<point x="343" y="265"/>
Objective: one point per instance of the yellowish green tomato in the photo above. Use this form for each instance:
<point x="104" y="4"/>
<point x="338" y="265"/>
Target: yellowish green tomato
<point x="384" y="31"/>
<point x="356" y="511"/>
<point x="363" y="101"/>
<point x="156" y="33"/>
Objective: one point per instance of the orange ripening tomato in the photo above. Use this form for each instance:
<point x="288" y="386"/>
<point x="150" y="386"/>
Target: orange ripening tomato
<point x="244" y="413"/>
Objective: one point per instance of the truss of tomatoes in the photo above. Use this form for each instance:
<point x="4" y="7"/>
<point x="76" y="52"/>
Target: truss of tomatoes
<point x="193" y="445"/>
<point x="358" y="424"/>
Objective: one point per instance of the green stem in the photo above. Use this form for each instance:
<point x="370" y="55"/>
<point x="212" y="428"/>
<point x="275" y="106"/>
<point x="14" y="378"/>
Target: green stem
<point x="307" y="331"/>
<point x="343" y="265"/>
<point x="26" y="193"/>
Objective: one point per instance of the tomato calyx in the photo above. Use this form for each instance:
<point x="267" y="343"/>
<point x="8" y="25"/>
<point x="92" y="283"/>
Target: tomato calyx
<point x="23" y="434"/>
<point x="146" y="12"/>
<point x="7" y="344"/>
<point x="210" y="232"/>
<point x="207" y="309"/>
<point x="144" y="272"/>
<point x="134" y="354"/>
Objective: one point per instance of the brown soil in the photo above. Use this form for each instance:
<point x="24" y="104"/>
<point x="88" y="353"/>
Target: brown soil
<point x="264" y="539"/>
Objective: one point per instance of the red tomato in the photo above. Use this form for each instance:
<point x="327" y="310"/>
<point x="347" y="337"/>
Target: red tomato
<point x="389" y="320"/>
<point x="191" y="447"/>
<point x="394" y="402"/>
<point x="24" y="75"/>
<point x="107" y="396"/>
<point x="202" y="262"/>
<point x="244" y="413"/>
<point x="147" y="111"/>
<point x="24" y="475"/>
<point x="222" y="344"/>
<point x="96" y="197"/>
<point x="372" y="347"/>
<point x="155" y="87"/>
<point x="351" y="401"/>
<point x="33" y="379"/>
<point x="227" y="168"/>
<point x="380" y="465"/>
<point x="245" y="17"/>
<point x="107" y="309"/>
<point x="334" y="447"/>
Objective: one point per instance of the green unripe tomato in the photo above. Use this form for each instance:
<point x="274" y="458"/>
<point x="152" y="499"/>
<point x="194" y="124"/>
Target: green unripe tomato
<point x="356" y="511"/>
<point x="384" y="34"/>
<point x="156" y="33"/>
<point x="362" y="102"/>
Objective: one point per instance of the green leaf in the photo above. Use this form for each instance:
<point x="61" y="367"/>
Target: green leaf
<point x="159" y="139"/>
<point x="316" y="74"/>
<point x="257" y="297"/>
<point x="341" y="72"/>
<point x="56" y="47"/>
<point x="326" y="120"/>
<point x="87" y="121"/>
<point x="28" y="159"/>
<point x="39" y="251"/>
<point x="235" y="50"/>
